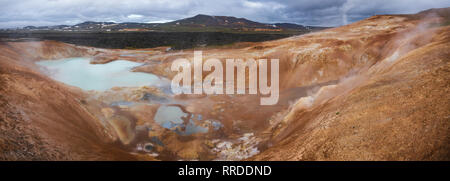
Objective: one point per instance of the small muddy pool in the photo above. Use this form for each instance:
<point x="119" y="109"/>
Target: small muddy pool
<point x="173" y="118"/>
<point x="170" y="116"/>
<point x="80" y="73"/>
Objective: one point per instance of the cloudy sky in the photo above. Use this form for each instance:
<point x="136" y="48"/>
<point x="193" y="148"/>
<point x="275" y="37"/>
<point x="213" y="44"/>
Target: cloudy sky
<point x="19" y="13"/>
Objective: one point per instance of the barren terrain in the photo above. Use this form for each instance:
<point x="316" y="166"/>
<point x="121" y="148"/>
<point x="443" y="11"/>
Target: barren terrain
<point x="372" y="90"/>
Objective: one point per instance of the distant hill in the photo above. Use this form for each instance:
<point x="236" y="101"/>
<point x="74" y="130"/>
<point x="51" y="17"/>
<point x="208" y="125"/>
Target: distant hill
<point x="218" y="21"/>
<point x="198" y="23"/>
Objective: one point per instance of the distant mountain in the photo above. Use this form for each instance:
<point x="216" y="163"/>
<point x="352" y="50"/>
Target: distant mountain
<point x="237" y="23"/>
<point x="198" y="23"/>
<point x="219" y="21"/>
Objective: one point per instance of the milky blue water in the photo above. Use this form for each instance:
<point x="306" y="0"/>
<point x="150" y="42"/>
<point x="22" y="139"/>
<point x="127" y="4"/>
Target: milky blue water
<point x="171" y="117"/>
<point x="80" y="73"/>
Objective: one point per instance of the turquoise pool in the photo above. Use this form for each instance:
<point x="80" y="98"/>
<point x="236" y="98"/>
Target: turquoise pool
<point x="80" y="73"/>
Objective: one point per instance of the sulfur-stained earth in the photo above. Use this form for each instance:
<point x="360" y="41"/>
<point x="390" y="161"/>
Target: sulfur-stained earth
<point x="372" y="90"/>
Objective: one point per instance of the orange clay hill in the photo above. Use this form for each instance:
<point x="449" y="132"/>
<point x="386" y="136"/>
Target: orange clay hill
<point x="377" y="89"/>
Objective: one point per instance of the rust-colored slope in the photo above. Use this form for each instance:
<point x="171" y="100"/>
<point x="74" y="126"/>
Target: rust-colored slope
<point x="398" y="109"/>
<point x="317" y="57"/>
<point x="42" y="119"/>
<point x="390" y="101"/>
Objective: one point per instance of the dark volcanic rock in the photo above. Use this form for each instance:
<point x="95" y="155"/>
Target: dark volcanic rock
<point x="177" y="40"/>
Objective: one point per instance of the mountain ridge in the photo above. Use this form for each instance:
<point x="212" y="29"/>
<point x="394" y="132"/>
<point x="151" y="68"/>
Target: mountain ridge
<point x="200" y="22"/>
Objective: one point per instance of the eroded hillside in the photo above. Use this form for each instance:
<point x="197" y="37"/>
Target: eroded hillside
<point x="372" y="90"/>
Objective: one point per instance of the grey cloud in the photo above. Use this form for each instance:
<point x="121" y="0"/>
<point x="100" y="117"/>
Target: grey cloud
<point x="307" y="12"/>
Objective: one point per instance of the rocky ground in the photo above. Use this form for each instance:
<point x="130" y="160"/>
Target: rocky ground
<point x="372" y="90"/>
